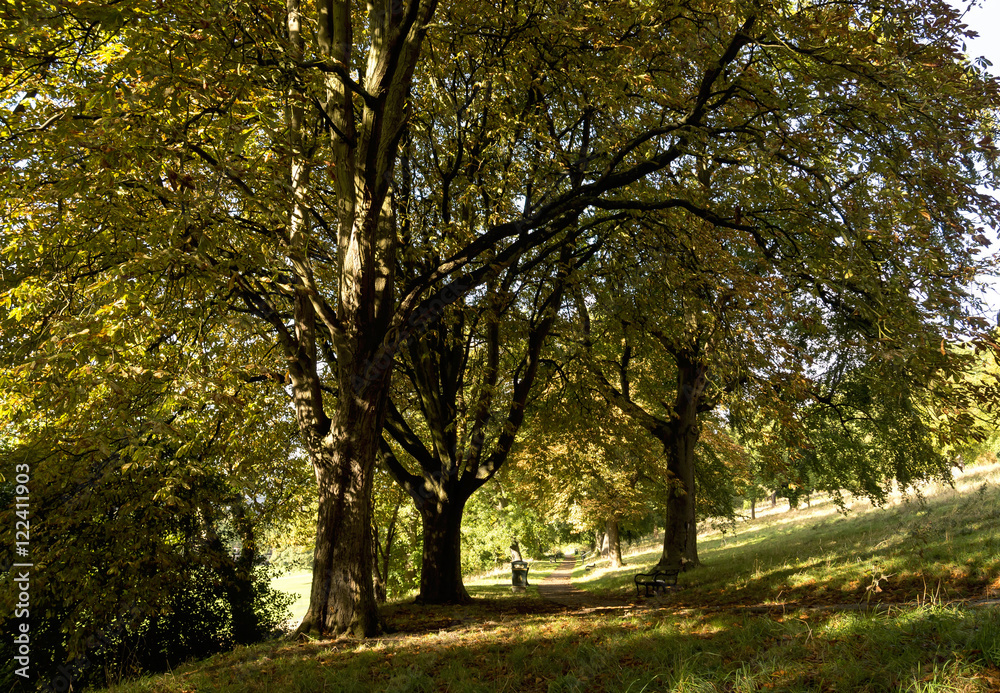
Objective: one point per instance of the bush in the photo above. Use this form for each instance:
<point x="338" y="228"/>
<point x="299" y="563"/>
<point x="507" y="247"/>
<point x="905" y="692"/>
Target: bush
<point x="197" y="618"/>
<point x="125" y="582"/>
<point x="204" y="617"/>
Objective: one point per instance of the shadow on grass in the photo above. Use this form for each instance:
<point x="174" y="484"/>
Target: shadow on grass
<point x="640" y="651"/>
<point x="511" y="642"/>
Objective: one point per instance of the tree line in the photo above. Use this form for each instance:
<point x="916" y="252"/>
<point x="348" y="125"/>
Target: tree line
<point x="255" y="252"/>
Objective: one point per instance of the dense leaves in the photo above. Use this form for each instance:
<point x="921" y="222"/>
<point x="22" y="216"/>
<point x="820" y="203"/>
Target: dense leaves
<point x="205" y="201"/>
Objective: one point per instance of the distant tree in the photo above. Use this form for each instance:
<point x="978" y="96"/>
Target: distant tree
<point x="581" y="463"/>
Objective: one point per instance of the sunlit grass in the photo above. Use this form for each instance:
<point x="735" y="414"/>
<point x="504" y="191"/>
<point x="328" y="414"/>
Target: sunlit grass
<point x="943" y="546"/>
<point x="297" y="584"/>
<point x="701" y="637"/>
<point x="930" y="648"/>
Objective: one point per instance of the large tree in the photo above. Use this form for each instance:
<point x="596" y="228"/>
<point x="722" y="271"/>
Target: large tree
<point x="831" y="244"/>
<point x="470" y="379"/>
<point x="251" y="150"/>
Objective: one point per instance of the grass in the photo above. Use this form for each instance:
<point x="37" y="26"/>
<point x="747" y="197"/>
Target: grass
<point x="943" y="546"/>
<point x="757" y="617"/>
<point x="297" y="584"/>
<point x="492" y="585"/>
<point x="925" y="649"/>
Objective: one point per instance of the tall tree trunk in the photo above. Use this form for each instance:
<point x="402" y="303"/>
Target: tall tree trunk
<point x="614" y="542"/>
<point x="342" y="599"/>
<point x="441" y="564"/>
<point x="363" y="137"/>
<point x="441" y="504"/>
<point x="680" y="437"/>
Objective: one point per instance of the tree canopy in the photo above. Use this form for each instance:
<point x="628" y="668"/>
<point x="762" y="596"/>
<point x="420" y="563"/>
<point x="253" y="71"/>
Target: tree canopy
<point x="289" y="198"/>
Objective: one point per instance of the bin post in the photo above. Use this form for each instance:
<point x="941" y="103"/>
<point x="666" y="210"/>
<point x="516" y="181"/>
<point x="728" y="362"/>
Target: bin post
<point x="519" y="575"/>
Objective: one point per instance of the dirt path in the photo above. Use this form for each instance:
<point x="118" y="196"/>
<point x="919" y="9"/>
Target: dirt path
<point x="558" y="588"/>
<point x="558" y="585"/>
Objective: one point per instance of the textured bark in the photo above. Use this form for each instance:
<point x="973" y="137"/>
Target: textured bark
<point x="342" y="598"/>
<point x="614" y="542"/>
<point x="680" y="437"/>
<point x="441" y="564"/>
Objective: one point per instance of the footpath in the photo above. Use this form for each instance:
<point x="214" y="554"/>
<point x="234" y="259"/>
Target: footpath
<point x="558" y="588"/>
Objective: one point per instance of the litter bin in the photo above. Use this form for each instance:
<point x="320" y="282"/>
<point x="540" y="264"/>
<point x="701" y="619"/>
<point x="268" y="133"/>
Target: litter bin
<point x="519" y="574"/>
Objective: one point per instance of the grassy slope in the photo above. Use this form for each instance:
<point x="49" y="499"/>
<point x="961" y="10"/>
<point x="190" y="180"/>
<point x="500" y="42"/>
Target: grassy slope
<point x="701" y="638"/>
<point x="945" y="546"/>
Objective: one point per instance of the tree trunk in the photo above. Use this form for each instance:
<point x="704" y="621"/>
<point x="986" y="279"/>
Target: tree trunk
<point x="441" y="564"/>
<point x="382" y="571"/>
<point x="614" y="542"/>
<point x="680" y="437"/>
<point x="342" y="599"/>
<point x="691" y="550"/>
<point x="676" y="533"/>
<point x="363" y="139"/>
<point x="753" y="508"/>
<point x="246" y="625"/>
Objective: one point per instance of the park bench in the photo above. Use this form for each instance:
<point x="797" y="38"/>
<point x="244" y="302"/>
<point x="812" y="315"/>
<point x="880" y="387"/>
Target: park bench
<point x="656" y="582"/>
